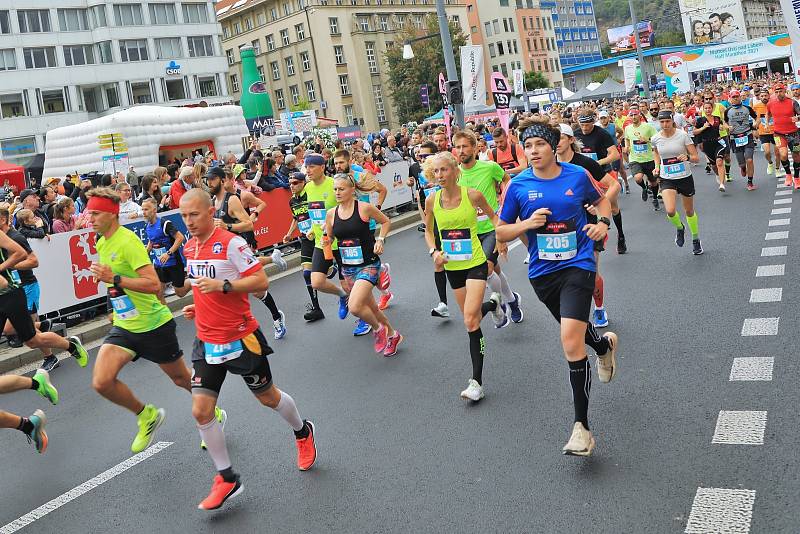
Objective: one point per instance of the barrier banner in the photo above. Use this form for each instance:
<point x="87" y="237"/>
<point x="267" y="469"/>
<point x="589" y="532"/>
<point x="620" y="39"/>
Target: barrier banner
<point x="273" y="223"/>
<point x="394" y="176"/>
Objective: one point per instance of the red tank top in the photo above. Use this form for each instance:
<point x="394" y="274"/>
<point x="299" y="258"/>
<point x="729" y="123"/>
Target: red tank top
<point x="782" y="112"/>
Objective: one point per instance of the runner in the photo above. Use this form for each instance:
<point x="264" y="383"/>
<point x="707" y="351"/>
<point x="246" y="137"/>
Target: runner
<point x="164" y="240"/>
<point x="231" y="215"/>
<point x="349" y="224"/>
<point x="33" y="425"/>
<point x="486" y="177"/>
<point x="766" y="134"/>
<point x="719" y="113"/>
<point x="739" y="120"/>
<point x="506" y="154"/>
<point x="638" y="136"/>
<point x="222" y="273"/>
<point x="784" y="113"/>
<point x="715" y="148"/>
<point x="454" y="210"/>
<point x="562" y="267"/>
<point x="673" y="149"/>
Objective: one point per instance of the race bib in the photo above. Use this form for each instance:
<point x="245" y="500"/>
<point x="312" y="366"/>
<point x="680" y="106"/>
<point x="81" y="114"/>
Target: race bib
<point x="557" y="241"/>
<point x="723" y="142"/>
<point x="351" y="251"/>
<point x="431" y="190"/>
<point x="672" y="168"/>
<point x="123" y="307"/>
<point x="304" y="223"/>
<point x="15" y="277"/>
<point x="160" y="251"/>
<point x="689" y="130"/>
<point x="317" y="212"/>
<point x="217" y="353"/>
<point x="741" y="140"/>
<point x="592" y="155"/>
<point x="639" y="147"/>
<point x="457" y="244"/>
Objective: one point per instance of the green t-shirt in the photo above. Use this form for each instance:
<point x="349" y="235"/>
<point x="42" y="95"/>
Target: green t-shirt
<point x="320" y="199"/>
<point x="483" y="176"/>
<point x="125" y="253"/>
<point x="638" y="138"/>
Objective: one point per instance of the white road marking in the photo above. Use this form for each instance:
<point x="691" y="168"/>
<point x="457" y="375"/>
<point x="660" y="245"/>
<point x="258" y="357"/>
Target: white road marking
<point x="86" y="487"/>
<point x="773" y="251"/>
<point x="721" y="510"/>
<point x="779" y="201"/>
<point x="760" y="326"/>
<point x="514" y="245"/>
<point x="769" y="294"/>
<point x="771" y="270"/>
<point x="780" y="222"/>
<point x="773" y="236"/>
<point x="781" y="211"/>
<point x="752" y="369"/>
<point x="740" y="428"/>
<point x="783" y="192"/>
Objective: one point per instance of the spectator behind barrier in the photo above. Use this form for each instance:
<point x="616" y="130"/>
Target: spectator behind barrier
<point x="185" y="181"/>
<point x="64" y="219"/>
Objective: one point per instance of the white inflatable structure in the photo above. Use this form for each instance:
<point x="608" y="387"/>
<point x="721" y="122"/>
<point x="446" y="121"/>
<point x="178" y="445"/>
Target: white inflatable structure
<point x="140" y="134"/>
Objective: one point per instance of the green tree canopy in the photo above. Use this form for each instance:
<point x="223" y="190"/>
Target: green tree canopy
<point x="302" y="105"/>
<point x="535" y="80"/>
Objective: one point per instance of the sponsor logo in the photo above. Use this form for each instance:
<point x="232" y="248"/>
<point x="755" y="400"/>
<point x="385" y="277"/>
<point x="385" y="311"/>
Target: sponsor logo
<point x="173" y="68"/>
<point x="217" y="248"/>
<point x="82" y="253"/>
<point x="569" y="193"/>
<point x="534" y="195"/>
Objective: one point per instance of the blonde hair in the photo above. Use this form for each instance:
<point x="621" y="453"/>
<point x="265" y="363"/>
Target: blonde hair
<point x="24" y="215"/>
<point x="159" y="173"/>
<point x="428" y="165"/>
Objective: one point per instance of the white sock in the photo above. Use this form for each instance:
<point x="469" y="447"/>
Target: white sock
<point x="508" y="295"/>
<point x="288" y="410"/>
<point x="494" y="283"/>
<point x="215" y="443"/>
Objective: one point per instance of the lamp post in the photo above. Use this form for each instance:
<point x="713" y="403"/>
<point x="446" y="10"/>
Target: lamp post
<point x="645" y="78"/>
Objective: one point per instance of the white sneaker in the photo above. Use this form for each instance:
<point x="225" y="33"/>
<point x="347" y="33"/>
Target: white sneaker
<point x="440" y="310"/>
<point x="474" y="391"/>
<point x="277" y="259"/>
<point x="779" y="172"/>
<point x="607" y="364"/>
<point x="169" y="290"/>
<point x="499" y="313"/>
<point x="770" y="168"/>
<point x="581" y="442"/>
<point x="722" y="187"/>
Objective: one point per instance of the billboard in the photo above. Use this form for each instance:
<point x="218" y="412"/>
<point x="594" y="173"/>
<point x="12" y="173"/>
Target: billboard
<point x="712" y="21"/>
<point x="472" y="78"/>
<point x="621" y="39"/>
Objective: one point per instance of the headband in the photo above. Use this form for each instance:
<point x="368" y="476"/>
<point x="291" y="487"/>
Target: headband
<point x="103" y="204"/>
<point x="314" y="159"/>
<point x="545" y="132"/>
<point x="586" y="119"/>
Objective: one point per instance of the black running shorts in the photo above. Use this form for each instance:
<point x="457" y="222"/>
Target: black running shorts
<point x="175" y="274"/>
<point x="14" y="308"/>
<point x="306" y="250"/>
<point x="252" y="366"/>
<point x="684" y="186"/>
<point x="566" y="293"/>
<point x="458" y="279"/>
<point x="158" y="346"/>
<point x="320" y="265"/>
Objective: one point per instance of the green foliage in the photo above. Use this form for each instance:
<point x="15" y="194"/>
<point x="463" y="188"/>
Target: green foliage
<point x="407" y="75"/>
<point x="302" y="105"/>
<point x="535" y="80"/>
<point x="601" y="75"/>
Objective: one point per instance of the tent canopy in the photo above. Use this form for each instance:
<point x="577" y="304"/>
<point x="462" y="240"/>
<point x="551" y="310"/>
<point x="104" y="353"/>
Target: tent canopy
<point x="609" y="88"/>
<point x="578" y="95"/>
<point x="15" y="174"/>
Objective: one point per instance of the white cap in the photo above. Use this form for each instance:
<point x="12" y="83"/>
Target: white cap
<point x="566" y="129"/>
<point x="603" y="114"/>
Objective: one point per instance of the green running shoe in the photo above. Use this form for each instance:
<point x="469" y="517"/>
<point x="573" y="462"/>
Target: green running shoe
<point x="38" y="437"/>
<point x="77" y="351"/>
<point x="222" y="417"/>
<point x="149" y="421"/>
<point x="44" y="387"/>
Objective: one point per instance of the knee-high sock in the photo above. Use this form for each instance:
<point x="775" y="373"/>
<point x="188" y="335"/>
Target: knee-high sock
<point x="493" y="281"/>
<point x="487" y="307"/>
<point x="505" y="288"/>
<point x="796" y="169"/>
<point x="727" y="167"/>
<point x="654" y="190"/>
<point x="598" y="343"/>
<point x="288" y="410"/>
<point x="477" y="349"/>
<point x="786" y="167"/>
<point x="215" y="443"/>
<point x="675" y="219"/>
<point x="618" y="223"/>
<point x="441" y="285"/>
<point x="312" y="293"/>
<point x="270" y="303"/>
<point x="694" y="225"/>
<point x="598" y="291"/>
<point x="580" y="379"/>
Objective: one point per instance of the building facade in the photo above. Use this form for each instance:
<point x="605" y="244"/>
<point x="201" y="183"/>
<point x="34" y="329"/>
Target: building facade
<point x="329" y="53"/>
<point x="763" y="18"/>
<point x="575" y="29"/>
<point x="69" y="61"/>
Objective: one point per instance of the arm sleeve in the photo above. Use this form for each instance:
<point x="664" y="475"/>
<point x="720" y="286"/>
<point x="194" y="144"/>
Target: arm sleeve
<point x="510" y="212"/>
<point x="241" y="256"/>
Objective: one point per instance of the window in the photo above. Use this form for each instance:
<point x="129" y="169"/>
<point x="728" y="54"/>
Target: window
<point x="492" y="51"/>
<point x="371" y="62"/>
<point x="500" y="50"/>
<point x="5" y="23"/>
<point x="333" y="22"/>
<point x="200" y="46"/>
<point x="168" y="48"/>
<point x="230" y="55"/>
<point x="52" y="101"/>
<point x="286" y="10"/>
<point x="237" y="28"/>
<point x="280" y="101"/>
<point x="383" y="22"/>
<point x="162" y="14"/>
<point x="276" y="70"/>
<point x="344" y="84"/>
<point x="310" y="91"/>
<point x="418" y="22"/>
<point x="78" y="55"/>
<point x="261" y="75"/>
<point x="33" y="20"/>
<point x="289" y="66"/>
<point x="496" y="26"/>
<point x="195" y="13"/>
<point x="270" y="42"/>
<point x="97" y="16"/>
<point x="306" y="61"/>
<point x="176" y="90"/>
<point x="72" y="20"/>
<point x="273" y="14"/>
<point x="378" y="96"/>
<point x="103" y="49"/>
<point x="141" y="92"/>
<point x="505" y="25"/>
<point x="112" y="95"/>
<point x="207" y="86"/>
<point x="226" y="31"/>
<point x="348" y="115"/>
<point x="457" y="21"/>
<point x="363" y="23"/>
<point x="133" y="50"/>
<point x="487" y="29"/>
<point x="300" y="30"/>
<point x="20" y="146"/>
<point x="285" y="37"/>
<point x="516" y="50"/>
<point x="128" y="14"/>
<point x="8" y="60"/>
<point x="12" y="106"/>
<point x="294" y="93"/>
<point x="261" y="19"/>
<point x="39" y="58"/>
<point x="504" y="3"/>
<point x="248" y="24"/>
<point x="256" y="46"/>
<point x="511" y="25"/>
<point x="234" y="83"/>
<point x="338" y="53"/>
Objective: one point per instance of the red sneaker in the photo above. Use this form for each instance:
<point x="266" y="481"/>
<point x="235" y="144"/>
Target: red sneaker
<point x="391" y="344"/>
<point x="751" y="187"/>
<point x="384" y="278"/>
<point x="306" y="449"/>
<point x="788" y="180"/>
<point x="380" y="339"/>
<point x="221" y="491"/>
<point x="384" y="301"/>
<point x="797" y="183"/>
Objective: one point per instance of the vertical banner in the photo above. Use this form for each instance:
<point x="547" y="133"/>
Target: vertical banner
<point x="473" y="82"/>
<point x="676" y="73"/>
<point x="791" y="14"/>
<point x="519" y="81"/>
<point x="629" y="69"/>
<point x="445" y="104"/>
<point x="501" y="92"/>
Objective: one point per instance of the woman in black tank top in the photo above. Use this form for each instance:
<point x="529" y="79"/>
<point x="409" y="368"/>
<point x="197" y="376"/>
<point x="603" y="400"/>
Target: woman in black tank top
<point x="348" y="223"/>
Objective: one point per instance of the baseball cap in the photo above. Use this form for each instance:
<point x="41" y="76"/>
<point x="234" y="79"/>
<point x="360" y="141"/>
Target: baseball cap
<point x="734" y="93"/>
<point x="780" y="85"/>
<point x="215" y="172"/>
<point x="795" y="86"/>
<point x="566" y="129"/>
<point x="314" y="159"/>
<point x="603" y="114"/>
<point x="298" y="176"/>
<point x="25" y="193"/>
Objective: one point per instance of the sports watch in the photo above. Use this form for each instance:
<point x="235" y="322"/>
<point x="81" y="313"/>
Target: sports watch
<point x="227" y="287"/>
<point x="605" y="220"/>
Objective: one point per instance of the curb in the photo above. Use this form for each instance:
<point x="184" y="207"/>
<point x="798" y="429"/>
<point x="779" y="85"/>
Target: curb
<point x="95" y="329"/>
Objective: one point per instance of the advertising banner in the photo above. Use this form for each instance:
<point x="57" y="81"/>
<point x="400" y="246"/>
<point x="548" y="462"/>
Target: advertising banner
<point x="791" y="14"/>
<point x="393" y="176"/>
<point x="712" y="21"/>
<point x="501" y="93"/>
<point x="519" y="81"/>
<point x="629" y="67"/>
<point x="622" y="39"/>
<point x="473" y="82"/>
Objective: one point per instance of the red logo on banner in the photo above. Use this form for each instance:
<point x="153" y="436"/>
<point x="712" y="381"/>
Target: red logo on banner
<point x="82" y="252"/>
<point x="273" y="222"/>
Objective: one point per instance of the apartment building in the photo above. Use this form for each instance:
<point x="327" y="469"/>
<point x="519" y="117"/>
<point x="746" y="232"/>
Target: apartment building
<point x="575" y="30"/>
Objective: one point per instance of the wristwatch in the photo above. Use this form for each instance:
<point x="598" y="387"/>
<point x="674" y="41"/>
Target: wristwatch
<point x="432" y="251"/>
<point x="227" y="287"/>
<point x="605" y="220"/>
<point x="230" y="227"/>
<point x="117" y="280"/>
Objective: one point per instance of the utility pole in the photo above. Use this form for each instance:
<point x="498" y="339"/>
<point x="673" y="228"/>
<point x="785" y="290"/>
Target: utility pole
<point x="449" y="59"/>
<point x="645" y="77"/>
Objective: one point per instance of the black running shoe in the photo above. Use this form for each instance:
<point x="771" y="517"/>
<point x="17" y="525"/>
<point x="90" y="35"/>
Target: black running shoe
<point x="420" y="228"/>
<point x="680" y="237"/>
<point x="656" y="206"/>
<point x="697" y="248"/>
<point x="644" y="194"/>
<point x="45" y="325"/>
<point x="313" y="314"/>
<point x="622" y="248"/>
<point x="50" y="363"/>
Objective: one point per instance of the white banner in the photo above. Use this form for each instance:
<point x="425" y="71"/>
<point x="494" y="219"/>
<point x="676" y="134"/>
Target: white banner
<point x="472" y="79"/>
<point x="629" y="67"/>
<point x="394" y="176"/>
<point x="519" y="81"/>
<point x="714" y="21"/>
<point x="791" y="14"/>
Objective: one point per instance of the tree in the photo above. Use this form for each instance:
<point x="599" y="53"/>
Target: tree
<point x="535" y="80"/>
<point x="302" y="105"/>
<point x="407" y="75"/>
<point x="601" y="75"/>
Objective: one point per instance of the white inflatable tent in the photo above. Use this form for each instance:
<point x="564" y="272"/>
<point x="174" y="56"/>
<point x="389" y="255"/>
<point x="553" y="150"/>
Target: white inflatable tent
<point x="145" y="132"/>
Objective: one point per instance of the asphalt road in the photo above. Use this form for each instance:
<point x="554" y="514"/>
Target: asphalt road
<point x="399" y="451"/>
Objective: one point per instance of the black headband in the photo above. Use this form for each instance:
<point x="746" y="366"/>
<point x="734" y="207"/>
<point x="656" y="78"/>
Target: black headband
<point x="545" y="132"/>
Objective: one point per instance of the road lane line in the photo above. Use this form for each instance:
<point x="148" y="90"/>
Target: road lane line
<point x="752" y="369"/>
<point x="86" y="487"/>
<point x="781" y="211"/>
<point x="773" y="251"/>
<point x="769" y="294"/>
<point x="721" y="510"/>
<point x="740" y="428"/>
<point x="780" y="222"/>
<point x="773" y="236"/>
<point x="783" y="192"/>
<point x="779" y="201"/>
<point x="771" y="270"/>
<point x="760" y="326"/>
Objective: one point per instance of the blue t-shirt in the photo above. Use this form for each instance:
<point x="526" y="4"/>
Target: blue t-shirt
<point x="562" y="238"/>
<point x="363" y="196"/>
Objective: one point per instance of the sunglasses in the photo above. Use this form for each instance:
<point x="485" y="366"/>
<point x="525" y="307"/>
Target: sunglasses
<point x="295" y="182"/>
<point x="423" y="157"/>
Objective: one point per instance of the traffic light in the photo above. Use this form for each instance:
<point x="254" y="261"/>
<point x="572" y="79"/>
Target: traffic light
<point x="454" y="93"/>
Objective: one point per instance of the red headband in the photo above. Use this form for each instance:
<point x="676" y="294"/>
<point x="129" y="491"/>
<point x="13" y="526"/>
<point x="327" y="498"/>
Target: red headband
<point x="103" y="204"/>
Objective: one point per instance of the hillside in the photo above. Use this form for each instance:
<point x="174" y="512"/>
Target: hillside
<point x="664" y="14"/>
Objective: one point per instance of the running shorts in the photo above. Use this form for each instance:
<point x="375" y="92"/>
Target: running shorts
<point x="32" y="294"/>
<point x="683" y="186"/>
<point x="458" y="279"/>
<point x="320" y="265"/>
<point x="566" y="293"/>
<point x="714" y="150"/>
<point x="489" y="244"/>
<point x="174" y="274"/>
<point x="158" y="346"/>
<point x="13" y="308"/>
<point x="645" y="168"/>
<point x="252" y="366"/>
<point x="790" y="141"/>
<point x="367" y="272"/>
<point x="766" y="139"/>
<point x="306" y="250"/>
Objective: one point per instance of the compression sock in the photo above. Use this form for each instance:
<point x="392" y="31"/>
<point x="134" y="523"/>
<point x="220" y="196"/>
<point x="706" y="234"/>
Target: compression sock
<point x="675" y="219"/>
<point x="654" y="190"/>
<point x="618" y="223"/>
<point x="477" y="349"/>
<point x="312" y="293"/>
<point x="786" y="167"/>
<point x="796" y="173"/>
<point x="487" y="307"/>
<point x="727" y="168"/>
<point x="441" y="285"/>
<point x="214" y="438"/>
<point x="493" y="281"/>
<point x="505" y="289"/>
<point x="641" y="184"/>
<point x="25" y="425"/>
<point x="34" y="384"/>
<point x="694" y="225"/>
<point x="598" y="343"/>
<point x="270" y="303"/>
<point x="598" y="291"/>
<point x="580" y="378"/>
<point x="288" y="410"/>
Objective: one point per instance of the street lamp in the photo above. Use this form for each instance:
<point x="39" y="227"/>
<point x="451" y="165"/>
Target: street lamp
<point x="408" y="52"/>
